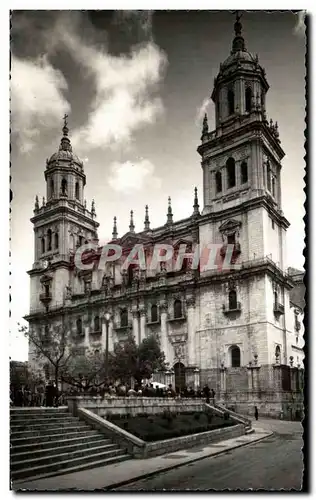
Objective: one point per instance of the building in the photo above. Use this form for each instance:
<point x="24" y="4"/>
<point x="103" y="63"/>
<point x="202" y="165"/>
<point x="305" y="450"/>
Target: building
<point x="215" y="326"/>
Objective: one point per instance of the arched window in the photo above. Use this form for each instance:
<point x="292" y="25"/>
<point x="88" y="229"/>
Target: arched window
<point x="80" y="241"/>
<point x="49" y="240"/>
<point x="231" y="101"/>
<point x="277" y="351"/>
<point x="273" y="186"/>
<point x="231" y="174"/>
<point x="235" y="356"/>
<point x="52" y="189"/>
<point x="43" y="245"/>
<point x="154" y="313"/>
<point x="275" y="295"/>
<point x="77" y="191"/>
<point x="231" y="239"/>
<point x="232" y="299"/>
<point x="97" y="324"/>
<point x="124" y="318"/>
<point x="79" y="326"/>
<point x="218" y="181"/>
<point x="268" y="176"/>
<point x="56" y="241"/>
<point x="177" y="309"/>
<point x="130" y="275"/>
<point x="248" y="96"/>
<point x="64" y="187"/>
<point x="244" y="172"/>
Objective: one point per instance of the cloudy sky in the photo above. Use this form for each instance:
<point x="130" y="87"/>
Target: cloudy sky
<point x="135" y="86"/>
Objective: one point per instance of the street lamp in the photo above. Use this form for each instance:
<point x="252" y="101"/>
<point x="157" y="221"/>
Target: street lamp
<point x="107" y="318"/>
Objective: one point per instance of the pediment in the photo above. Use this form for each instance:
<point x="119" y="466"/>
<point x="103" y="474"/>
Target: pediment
<point x="131" y="239"/>
<point x="230" y="225"/>
<point x="182" y="241"/>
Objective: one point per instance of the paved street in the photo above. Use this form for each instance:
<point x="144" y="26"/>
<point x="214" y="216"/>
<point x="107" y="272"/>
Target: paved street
<point x="274" y="463"/>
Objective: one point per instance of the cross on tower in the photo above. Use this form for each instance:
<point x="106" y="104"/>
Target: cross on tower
<point x="65" y="120"/>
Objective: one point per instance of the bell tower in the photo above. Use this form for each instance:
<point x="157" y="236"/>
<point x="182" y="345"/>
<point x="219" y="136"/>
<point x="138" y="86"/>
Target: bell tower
<point x="60" y="224"/>
<point x="241" y="157"/>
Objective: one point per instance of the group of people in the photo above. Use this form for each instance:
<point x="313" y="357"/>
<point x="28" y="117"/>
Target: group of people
<point x="49" y="395"/>
<point x="40" y="395"/>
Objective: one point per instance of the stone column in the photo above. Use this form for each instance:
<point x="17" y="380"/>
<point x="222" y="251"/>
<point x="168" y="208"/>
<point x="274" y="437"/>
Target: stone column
<point x="223" y="381"/>
<point x="293" y="373"/>
<point x="191" y="331"/>
<point x="255" y="374"/>
<point x="164" y="343"/>
<point x="86" y="336"/>
<point x="250" y="377"/>
<point x="135" y="327"/>
<point x="196" y="379"/>
<point x="142" y="325"/>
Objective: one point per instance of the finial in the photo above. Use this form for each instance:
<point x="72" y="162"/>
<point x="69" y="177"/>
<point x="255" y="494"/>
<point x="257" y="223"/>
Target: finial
<point x="36" y="203"/>
<point x="196" y="210"/>
<point x="276" y="130"/>
<point x="85" y="203"/>
<point x="44" y="203"/>
<point x="93" y="208"/>
<point x="131" y="225"/>
<point x="238" y="42"/>
<point x="147" y="222"/>
<point x="65" y="142"/>
<point x="205" y="125"/>
<point x="114" y="233"/>
<point x="169" y="214"/>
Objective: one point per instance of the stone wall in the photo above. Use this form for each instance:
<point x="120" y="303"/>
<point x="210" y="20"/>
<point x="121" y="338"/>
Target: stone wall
<point x="132" y="406"/>
<point x="141" y="449"/>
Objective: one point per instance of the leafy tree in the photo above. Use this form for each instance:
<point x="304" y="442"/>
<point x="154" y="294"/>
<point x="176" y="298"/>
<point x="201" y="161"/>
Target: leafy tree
<point x="85" y="370"/>
<point x="129" y="360"/>
<point x="51" y="345"/>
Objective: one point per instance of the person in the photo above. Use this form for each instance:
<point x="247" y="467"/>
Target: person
<point x="206" y="392"/>
<point x="50" y="394"/>
<point x="256" y="413"/>
<point x="213" y="396"/>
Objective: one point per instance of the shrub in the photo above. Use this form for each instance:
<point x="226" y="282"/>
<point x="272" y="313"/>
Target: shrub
<point x="196" y="416"/>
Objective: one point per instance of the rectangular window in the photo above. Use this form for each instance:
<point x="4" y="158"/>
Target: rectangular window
<point x="272" y="223"/>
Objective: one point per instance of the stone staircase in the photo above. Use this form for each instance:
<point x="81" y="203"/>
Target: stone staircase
<point x="50" y="441"/>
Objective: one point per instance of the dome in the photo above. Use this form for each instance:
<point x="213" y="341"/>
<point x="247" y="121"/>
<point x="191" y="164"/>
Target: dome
<point x="65" y="150"/>
<point x="239" y="56"/>
<point x="65" y="155"/>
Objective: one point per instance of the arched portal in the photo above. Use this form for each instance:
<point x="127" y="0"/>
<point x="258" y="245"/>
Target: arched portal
<point x="179" y="375"/>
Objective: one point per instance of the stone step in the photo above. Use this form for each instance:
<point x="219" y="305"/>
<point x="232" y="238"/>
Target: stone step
<point x="79" y="463"/>
<point x="43" y="431"/>
<point x="249" y="431"/>
<point x="55" y="456"/>
<point x="36" y="410"/>
<point x="31" y="418"/>
<point x="22" y="439"/>
<point x="33" y="475"/>
<point x="18" y="455"/>
<point x="27" y="426"/>
<point x="43" y="445"/>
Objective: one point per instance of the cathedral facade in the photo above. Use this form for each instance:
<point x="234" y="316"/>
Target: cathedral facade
<point x="215" y="325"/>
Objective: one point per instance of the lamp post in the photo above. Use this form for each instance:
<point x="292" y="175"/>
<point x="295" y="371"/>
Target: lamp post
<point x="107" y="318"/>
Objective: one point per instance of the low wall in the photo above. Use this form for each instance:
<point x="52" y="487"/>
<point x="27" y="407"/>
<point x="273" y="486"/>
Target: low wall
<point x="141" y="449"/>
<point x="278" y="404"/>
<point x="132" y="405"/>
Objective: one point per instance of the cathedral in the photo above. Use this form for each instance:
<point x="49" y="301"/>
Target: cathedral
<point x="224" y="327"/>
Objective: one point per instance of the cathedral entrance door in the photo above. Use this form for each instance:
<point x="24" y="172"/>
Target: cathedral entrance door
<point x="179" y="375"/>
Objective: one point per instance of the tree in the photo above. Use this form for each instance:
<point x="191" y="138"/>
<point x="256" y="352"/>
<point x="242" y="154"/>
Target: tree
<point x="85" y="370"/>
<point x="129" y="360"/>
<point x="52" y="345"/>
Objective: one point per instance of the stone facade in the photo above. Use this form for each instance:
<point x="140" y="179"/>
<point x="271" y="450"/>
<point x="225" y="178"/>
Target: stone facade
<point x="206" y="318"/>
